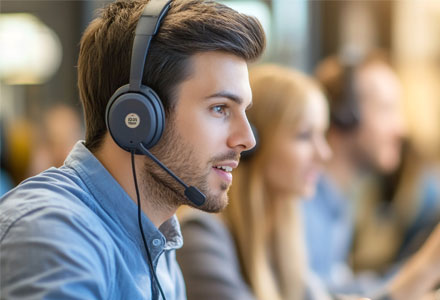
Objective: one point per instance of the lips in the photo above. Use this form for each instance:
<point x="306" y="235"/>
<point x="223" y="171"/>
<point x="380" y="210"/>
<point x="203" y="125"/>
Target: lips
<point x="312" y="175"/>
<point x="224" y="175"/>
<point x="227" y="166"/>
<point x="224" y="169"/>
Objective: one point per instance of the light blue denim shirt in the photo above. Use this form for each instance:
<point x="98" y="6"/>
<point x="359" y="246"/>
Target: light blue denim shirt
<point x="329" y="224"/>
<point x="72" y="233"/>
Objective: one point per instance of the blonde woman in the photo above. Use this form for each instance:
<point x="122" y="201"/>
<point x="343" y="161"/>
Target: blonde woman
<point x="255" y="248"/>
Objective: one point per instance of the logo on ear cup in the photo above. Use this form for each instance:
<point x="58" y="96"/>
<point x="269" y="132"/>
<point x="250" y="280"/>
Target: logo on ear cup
<point x="132" y="120"/>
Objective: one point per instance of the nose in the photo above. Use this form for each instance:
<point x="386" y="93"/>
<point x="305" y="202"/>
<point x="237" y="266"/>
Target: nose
<point x="241" y="137"/>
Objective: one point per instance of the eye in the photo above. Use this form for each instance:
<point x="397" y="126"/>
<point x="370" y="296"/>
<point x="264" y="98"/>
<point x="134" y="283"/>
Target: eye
<point x="304" y="135"/>
<point x="220" y="110"/>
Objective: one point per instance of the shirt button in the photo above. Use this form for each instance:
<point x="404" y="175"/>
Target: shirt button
<point x="156" y="242"/>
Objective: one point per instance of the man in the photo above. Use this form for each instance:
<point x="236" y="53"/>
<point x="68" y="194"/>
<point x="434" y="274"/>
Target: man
<point x="365" y="135"/>
<point x="72" y="232"/>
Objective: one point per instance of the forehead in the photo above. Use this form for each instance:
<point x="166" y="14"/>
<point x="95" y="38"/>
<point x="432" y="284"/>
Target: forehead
<point x="316" y="105"/>
<point x="311" y="113"/>
<point x="214" y="72"/>
<point x="315" y="112"/>
<point x="379" y="83"/>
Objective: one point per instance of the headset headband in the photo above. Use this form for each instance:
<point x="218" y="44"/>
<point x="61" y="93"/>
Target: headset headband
<point x="146" y="28"/>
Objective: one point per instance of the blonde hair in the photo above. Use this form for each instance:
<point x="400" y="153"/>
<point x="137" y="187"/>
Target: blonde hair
<point x="268" y="233"/>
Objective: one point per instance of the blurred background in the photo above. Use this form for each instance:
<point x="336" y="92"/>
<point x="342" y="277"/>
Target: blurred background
<point x="40" y="112"/>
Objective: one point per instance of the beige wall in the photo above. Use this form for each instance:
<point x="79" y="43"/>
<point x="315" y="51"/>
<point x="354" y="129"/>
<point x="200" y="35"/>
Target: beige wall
<point x="416" y="44"/>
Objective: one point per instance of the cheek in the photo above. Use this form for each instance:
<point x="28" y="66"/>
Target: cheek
<point x="375" y="138"/>
<point x="389" y="156"/>
<point x="378" y="127"/>
<point x="284" y="168"/>
<point x="202" y="134"/>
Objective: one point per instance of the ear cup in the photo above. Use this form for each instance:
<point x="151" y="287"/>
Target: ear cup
<point x="135" y="117"/>
<point x="345" y="114"/>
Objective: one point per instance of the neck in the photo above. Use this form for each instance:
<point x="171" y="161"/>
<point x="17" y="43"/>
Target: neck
<point x="153" y="196"/>
<point x="285" y="197"/>
<point x="277" y="195"/>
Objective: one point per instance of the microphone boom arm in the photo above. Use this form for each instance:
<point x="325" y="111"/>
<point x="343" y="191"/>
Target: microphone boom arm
<point x="191" y="192"/>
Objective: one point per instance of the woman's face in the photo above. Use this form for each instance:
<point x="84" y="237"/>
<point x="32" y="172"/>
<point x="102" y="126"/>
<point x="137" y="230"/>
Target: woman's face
<point x="298" y="153"/>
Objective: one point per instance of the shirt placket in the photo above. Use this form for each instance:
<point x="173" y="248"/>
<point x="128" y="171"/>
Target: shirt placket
<point x="155" y="246"/>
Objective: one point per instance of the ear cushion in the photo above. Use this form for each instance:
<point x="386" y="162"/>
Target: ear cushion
<point x="135" y="117"/>
<point x="346" y="114"/>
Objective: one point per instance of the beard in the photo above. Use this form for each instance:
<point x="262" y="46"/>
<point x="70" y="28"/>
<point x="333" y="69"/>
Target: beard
<point x="182" y="159"/>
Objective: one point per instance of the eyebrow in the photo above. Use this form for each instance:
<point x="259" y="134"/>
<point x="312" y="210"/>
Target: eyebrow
<point x="230" y="96"/>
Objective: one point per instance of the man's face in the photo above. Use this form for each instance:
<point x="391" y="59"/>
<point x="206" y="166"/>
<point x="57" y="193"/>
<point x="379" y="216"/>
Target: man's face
<point x="379" y="136"/>
<point x="208" y="128"/>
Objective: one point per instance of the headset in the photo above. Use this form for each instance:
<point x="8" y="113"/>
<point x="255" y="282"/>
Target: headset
<point x="345" y="111"/>
<point x="135" y="115"/>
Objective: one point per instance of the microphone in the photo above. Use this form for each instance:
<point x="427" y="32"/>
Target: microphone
<point x="191" y="192"/>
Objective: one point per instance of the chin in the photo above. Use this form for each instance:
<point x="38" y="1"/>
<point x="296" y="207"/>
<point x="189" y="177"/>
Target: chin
<point x="308" y="192"/>
<point x="214" y="203"/>
<point x="389" y="165"/>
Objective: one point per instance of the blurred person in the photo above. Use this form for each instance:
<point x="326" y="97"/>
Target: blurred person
<point x="57" y="133"/>
<point x="17" y="149"/>
<point x="33" y="145"/>
<point x="255" y="248"/>
<point x="5" y="177"/>
<point x="399" y="212"/>
<point x="366" y="134"/>
<point x="72" y="232"/>
<point x="406" y="204"/>
<point x="417" y="199"/>
<point x="5" y="181"/>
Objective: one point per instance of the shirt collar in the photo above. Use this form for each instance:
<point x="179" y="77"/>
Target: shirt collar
<point x="116" y="202"/>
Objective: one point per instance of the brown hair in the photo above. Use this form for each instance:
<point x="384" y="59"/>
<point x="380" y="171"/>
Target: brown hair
<point x="190" y="26"/>
<point x="268" y="233"/>
<point x="336" y="76"/>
